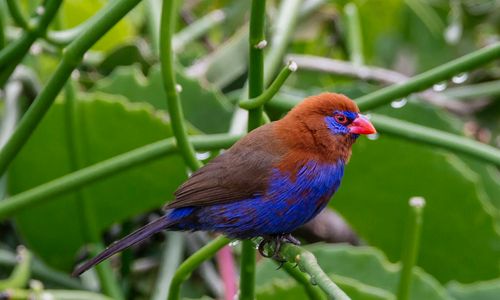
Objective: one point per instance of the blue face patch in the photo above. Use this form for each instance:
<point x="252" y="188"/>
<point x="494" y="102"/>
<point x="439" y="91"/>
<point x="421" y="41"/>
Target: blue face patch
<point x="335" y="126"/>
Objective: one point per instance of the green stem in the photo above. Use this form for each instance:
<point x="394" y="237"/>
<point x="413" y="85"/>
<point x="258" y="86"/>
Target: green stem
<point x="168" y="19"/>
<point x="257" y="43"/>
<point x="354" y="36"/>
<point x="312" y="292"/>
<point x="171" y="258"/>
<point x="197" y="29"/>
<point x="16" y="14"/>
<point x="2" y="28"/>
<point x="190" y="264"/>
<point x="427" y="79"/>
<point x="283" y="29"/>
<point x="411" y="247"/>
<point x="436" y="137"/>
<point x="307" y="263"/>
<point x="13" y="54"/>
<point x="119" y="163"/>
<point x="91" y="230"/>
<point x="22" y="271"/>
<point x="71" y="58"/>
<point x="271" y="90"/>
<point x="153" y="15"/>
<point x="474" y="91"/>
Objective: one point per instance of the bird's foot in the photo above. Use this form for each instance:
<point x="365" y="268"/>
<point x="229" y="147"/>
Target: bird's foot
<point x="275" y="243"/>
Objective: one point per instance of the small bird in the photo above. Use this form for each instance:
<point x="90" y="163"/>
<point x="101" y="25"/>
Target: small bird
<point x="275" y="179"/>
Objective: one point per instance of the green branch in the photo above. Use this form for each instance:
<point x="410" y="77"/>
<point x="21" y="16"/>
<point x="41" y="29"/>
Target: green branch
<point x="307" y="263"/>
<point x="16" y="14"/>
<point x="427" y="79"/>
<point x="70" y="59"/>
<point x="411" y="247"/>
<point x="271" y="90"/>
<point x="48" y="191"/>
<point x="190" y="264"/>
<point x="436" y="137"/>
<point x="197" y="29"/>
<point x="312" y="291"/>
<point x="168" y="19"/>
<point x="354" y="36"/>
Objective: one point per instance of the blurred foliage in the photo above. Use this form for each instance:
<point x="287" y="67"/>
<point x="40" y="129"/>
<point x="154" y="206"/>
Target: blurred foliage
<point x="120" y="105"/>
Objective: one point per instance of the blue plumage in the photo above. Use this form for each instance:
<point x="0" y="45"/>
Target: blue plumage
<point x="291" y="200"/>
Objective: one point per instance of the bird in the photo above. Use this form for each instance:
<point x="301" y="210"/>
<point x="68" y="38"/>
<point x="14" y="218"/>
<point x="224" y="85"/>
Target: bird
<point x="269" y="183"/>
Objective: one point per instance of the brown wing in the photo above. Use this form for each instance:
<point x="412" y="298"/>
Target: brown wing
<point x="238" y="174"/>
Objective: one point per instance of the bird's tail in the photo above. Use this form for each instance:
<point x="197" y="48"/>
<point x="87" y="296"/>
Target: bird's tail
<point x="131" y="239"/>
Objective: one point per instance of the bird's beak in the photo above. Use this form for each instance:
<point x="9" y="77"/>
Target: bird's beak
<point x="361" y="125"/>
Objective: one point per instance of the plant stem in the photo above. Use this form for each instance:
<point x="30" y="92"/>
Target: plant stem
<point x="197" y="29"/>
<point x="16" y="14"/>
<point x="89" y="223"/>
<point x="427" y="79"/>
<point x="190" y="264"/>
<point x="312" y="292"/>
<point x="106" y="168"/>
<point x="411" y="247"/>
<point x="257" y="43"/>
<point x="436" y="137"/>
<point x="474" y="91"/>
<point x="168" y="19"/>
<point x="307" y="263"/>
<point x="171" y="258"/>
<point x="354" y="36"/>
<point x="71" y="58"/>
<point x="271" y="90"/>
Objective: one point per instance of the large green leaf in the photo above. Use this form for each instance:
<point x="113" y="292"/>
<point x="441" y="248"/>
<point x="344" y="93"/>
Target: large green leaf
<point x="362" y="272"/>
<point x="107" y="126"/>
<point x="459" y="239"/>
<point x="204" y="106"/>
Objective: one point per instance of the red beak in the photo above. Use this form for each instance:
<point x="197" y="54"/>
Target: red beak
<point x="361" y="125"/>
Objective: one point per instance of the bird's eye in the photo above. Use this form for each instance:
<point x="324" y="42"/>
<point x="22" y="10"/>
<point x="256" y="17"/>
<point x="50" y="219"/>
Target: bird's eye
<point x="341" y="119"/>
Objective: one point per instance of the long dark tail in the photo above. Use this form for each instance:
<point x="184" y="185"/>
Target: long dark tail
<point x="135" y="237"/>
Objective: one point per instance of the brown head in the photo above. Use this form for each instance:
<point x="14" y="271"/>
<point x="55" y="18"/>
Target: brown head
<point x="323" y="126"/>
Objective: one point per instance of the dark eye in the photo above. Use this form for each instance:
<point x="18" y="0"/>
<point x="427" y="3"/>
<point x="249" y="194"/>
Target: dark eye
<point x="341" y="119"/>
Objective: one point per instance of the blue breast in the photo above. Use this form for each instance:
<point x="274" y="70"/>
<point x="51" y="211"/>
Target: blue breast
<point x="291" y="201"/>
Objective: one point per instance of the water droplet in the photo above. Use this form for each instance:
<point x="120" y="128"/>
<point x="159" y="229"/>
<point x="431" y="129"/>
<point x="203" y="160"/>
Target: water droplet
<point x="313" y="281"/>
<point x="460" y="78"/>
<point x="40" y="10"/>
<point x="453" y="33"/>
<point x="399" y="103"/>
<point x="202" y="155"/>
<point x="439" y="87"/>
<point x="373" y="137"/>
<point x="234" y="243"/>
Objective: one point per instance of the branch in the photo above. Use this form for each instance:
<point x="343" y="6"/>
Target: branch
<point x="312" y="292"/>
<point x="47" y="191"/>
<point x="168" y="19"/>
<point x="16" y="14"/>
<point x="271" y="90"/>
<point x="307" y="263"/>
<point x="411" y="247"/>
<point x="190" y="264"/>
<point x="70" y="59"/>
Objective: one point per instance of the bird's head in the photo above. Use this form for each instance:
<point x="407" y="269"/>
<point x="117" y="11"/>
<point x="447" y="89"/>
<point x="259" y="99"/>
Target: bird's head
<point x="327" y="123"/>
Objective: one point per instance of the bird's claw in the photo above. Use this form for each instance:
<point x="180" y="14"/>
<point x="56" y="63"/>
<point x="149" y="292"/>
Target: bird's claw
<point x="277" y="241"/>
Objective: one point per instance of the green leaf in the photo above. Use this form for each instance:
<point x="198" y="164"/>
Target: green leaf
<point x="486" y="290"/>
<point x="204" y="106"/>
<point x="382" y="176"/>
<point x="108" y="126"/>
<point x="74" y="12"/>
<point x="362" y="272"/>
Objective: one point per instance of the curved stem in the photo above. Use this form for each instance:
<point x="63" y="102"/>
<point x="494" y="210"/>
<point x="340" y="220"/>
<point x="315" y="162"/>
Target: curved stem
<point x="428" y="78"/>
<point x="109" y="167"/>
<point x="16" y="14"/>
<point x="271" y="90"/>
<point x="307" y="263"/>
<point x="411" y="247"/>
<point x="168" y="18"/>
<point x="312" y="292"/>
<point x="70" y="59"/>
<point x="190" y="264"/>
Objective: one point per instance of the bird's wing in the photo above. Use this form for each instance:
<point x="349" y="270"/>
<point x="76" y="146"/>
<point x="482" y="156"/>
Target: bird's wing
<point x="240" y="173"/>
